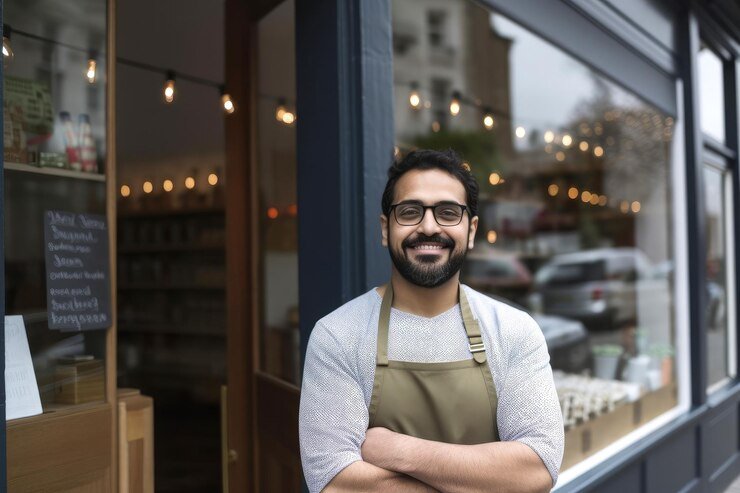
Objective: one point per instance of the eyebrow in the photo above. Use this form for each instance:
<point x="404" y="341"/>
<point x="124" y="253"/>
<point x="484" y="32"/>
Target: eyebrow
<point x="419" y="202"/>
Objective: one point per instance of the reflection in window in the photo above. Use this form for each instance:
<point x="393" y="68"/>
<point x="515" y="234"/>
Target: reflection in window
<point x="711" y="93"/>
<point x="278" y="210"/>
<point x="716" y="183"/>
<point x="575" y="218"/>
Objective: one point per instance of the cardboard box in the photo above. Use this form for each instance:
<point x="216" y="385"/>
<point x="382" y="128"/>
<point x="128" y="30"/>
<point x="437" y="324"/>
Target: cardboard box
<point x="77" y="382"/>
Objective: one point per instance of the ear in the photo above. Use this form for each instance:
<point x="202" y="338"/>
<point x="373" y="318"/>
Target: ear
<point x="471" y="232"/>
<point x="384" y="230"/>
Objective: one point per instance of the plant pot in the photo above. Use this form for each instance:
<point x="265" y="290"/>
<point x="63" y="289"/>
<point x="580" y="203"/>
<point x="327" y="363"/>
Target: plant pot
<point x="605" y="367"/>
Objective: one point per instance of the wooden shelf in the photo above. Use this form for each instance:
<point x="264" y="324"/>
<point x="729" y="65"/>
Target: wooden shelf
<point x="167" y="330"/>
<point x="172" y="248"/>
<point x="166" y="213"/>
<point x="65" y="173"/>
<point x="54" y="411"/>
<point x="171" y="287"/>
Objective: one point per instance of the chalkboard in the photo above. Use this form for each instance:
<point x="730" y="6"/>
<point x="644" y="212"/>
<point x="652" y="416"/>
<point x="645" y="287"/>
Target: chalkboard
<point x="77" y="271"/>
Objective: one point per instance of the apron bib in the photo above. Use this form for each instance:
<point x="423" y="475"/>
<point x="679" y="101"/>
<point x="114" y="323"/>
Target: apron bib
<point x="452" y="402"/>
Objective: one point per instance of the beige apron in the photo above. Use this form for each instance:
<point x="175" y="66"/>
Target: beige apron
<point x="452" y="402"/>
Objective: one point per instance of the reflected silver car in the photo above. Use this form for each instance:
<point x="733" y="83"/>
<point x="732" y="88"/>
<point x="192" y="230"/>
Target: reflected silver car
<point x="597" y="286"/>
<point x="567" y="340"/>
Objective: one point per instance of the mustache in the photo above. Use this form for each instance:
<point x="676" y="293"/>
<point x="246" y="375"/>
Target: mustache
<point x="419" y="239"/>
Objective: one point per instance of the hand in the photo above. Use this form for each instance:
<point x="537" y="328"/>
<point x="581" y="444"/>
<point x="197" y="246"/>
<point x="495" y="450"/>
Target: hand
<point x="380" y="448"/>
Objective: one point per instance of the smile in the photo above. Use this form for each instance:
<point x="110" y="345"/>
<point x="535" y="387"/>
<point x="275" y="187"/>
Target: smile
<point x="428" y="247"/>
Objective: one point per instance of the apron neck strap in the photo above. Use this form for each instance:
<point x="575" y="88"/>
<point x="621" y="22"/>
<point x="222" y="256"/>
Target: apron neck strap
<point x="472" y="329"/>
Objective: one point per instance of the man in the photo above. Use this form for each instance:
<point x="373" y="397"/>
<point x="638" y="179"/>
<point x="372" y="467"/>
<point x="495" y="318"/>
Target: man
<point x="424" y="384"/>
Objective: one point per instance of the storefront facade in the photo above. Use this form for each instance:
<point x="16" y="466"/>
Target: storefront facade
<point x="661" y="170"/>
<point x="605" y="137"/>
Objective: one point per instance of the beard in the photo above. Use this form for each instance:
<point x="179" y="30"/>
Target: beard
<point x="426" y="272"/>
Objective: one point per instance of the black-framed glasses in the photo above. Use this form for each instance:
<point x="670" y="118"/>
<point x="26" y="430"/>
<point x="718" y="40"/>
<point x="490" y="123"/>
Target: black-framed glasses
<point x="412" y="214"/>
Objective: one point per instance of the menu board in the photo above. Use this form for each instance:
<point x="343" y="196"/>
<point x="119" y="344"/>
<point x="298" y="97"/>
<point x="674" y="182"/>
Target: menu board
<point x="77" y="271"/>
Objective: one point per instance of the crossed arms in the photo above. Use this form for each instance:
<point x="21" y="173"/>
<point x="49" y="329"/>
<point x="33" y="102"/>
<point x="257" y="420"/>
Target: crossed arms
<point x="396" y="462"/>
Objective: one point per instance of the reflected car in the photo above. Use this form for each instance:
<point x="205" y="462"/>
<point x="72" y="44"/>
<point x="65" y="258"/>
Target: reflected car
<point x="597" y="287"/>
<point x="491" y="271"/>
<point x="567" y="339"/>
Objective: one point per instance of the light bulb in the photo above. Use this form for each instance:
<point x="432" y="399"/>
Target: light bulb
<point x="414" y="98"/>
<point x="91" y="74"/>
<point x="168" y="185"/>
<point x="228" y="104"/>
<point x="148" y="187"/>
<point x="189" y="182"/>
<point x="169" y="88"/>
<point x="125" y="190"/>
<point x="455" y="104"/>
<point x="212" y="179"/>
<point x="549" y="136"/>
<point x="520" y="132"/>
<point x="8" y="54"/>
<point x="488" y="120"/>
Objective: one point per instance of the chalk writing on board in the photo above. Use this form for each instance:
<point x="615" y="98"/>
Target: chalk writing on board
<point x="77" y="269"/>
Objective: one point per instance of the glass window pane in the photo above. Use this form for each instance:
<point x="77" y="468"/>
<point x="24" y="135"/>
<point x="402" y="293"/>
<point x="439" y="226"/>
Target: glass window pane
<point x="711" y="94"/>
<point x="54" y="159"/>
<point x="278" y="210"/>
<point x="575" y="205"/>
<point x="715" y="185"/>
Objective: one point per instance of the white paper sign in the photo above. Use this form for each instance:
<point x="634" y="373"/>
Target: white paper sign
<point x="21" y="390"/>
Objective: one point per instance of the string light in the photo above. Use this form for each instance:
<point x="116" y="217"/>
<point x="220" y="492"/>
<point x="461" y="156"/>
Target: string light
<point x="212" y="179"/>
<point x="520" y="132"/>
<point x="169" y="88"/>
<point x="226" y="102"/>
<point x="492" y="236"/>
<point x="598" y="151"/>
<point x="168" y="185"/>
<point x="585" y="196"/>
<point x="553" y="190"/>
<point x="125" y="190"/>
<point x="8" y="54"/>
<point x="190" y="183"/>
<point x="282" y="114"/>
<point x="573" y="193"/>
<point x="414" y="98"/>
<point x="91" y="74"/>
<point x="455" y="104"/>
<point x="148" y="187"/>
<point x="635" y="207"/>
<point x="583" y="146"/>
<point x="494" y="179"/>
<point x="488" y="120"/>
<point x="567" y="140"/>
<point x="272" y="213"/>
<point x="549" y="136"/>
<point x="560" y="156"/>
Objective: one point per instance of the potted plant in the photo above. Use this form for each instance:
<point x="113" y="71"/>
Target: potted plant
<point x="606" y="360"/>
<point x="662" y="355"/>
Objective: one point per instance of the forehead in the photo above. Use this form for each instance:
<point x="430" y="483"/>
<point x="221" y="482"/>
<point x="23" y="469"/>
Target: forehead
<point x="429" y="186"/>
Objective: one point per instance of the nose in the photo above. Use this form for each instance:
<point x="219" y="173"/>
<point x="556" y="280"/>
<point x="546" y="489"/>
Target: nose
<point x="428" y="224"/>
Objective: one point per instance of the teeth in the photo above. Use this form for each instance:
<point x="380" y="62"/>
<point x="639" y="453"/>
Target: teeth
<point x="428" y="247"/>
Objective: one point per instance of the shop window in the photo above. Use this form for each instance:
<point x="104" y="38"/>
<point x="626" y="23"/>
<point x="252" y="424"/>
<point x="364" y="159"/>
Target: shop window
<point x="711" y="93"/>
<point x="718" y="209"/>
<point x="575" y="209"/>
<point x="278" y="209"/>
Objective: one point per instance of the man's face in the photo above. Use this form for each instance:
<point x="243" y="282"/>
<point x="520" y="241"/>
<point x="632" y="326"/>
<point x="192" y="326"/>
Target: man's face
<point x="428" y="254"/>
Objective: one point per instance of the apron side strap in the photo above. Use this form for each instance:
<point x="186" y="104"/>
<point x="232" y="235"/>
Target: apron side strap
<point x="472" y="329"/>
<point x="383" y="325"/>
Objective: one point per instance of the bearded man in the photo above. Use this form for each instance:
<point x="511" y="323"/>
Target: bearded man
<point x="424" y="384"/>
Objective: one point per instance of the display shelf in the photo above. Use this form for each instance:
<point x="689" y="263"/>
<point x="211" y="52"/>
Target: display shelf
<point x="171" y="287"/>
<point x="195" y="247"/>
<point x="166" y="330"/>
<point x="168" y="213"/>
<point x="65" y="173"/>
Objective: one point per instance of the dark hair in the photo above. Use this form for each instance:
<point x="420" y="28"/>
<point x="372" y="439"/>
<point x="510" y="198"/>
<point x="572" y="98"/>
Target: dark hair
<point x="425" y="159"/>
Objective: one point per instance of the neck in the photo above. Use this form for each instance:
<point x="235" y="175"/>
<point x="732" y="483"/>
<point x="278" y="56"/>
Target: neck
<point x="425" y="302"/>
